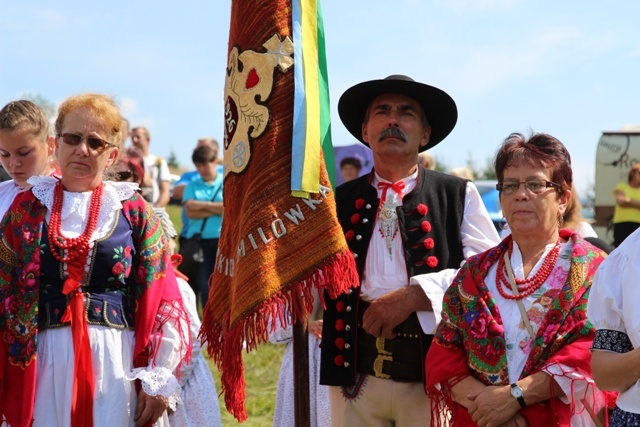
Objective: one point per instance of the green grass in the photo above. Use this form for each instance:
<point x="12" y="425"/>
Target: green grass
<point x="261" y="368"/>
<point x="174" y="212"/>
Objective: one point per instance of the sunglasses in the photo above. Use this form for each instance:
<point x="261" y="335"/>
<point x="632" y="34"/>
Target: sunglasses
<point x="95" y="144"/>
<point x="124" y="175"/>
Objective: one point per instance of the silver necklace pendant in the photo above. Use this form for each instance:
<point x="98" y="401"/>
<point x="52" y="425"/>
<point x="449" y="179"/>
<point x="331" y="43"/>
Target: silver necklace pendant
<point x="388" y="220"/>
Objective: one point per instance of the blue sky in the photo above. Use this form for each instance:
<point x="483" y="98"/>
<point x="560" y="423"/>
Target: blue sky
<point x="570" y="68"/>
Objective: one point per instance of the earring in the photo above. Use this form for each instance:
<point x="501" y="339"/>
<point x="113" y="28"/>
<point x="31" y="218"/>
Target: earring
<point x="503" y="224"/>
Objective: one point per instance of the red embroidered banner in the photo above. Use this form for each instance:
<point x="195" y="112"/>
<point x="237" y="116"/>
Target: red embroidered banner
<point x="274" y="247"/>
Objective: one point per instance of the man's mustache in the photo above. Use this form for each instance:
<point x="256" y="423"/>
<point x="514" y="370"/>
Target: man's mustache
<point x="393" y="133"/>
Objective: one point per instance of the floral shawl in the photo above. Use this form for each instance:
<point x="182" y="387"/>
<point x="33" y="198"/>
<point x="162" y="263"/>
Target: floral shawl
<point x="20" y="249"/>
<point x="470" y="338"/>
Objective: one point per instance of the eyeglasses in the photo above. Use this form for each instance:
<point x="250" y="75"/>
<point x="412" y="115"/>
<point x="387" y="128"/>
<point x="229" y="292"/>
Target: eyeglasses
<point x="535" y="186"/>
<point x="95" y="144"/>
<point x="124" y="175"/>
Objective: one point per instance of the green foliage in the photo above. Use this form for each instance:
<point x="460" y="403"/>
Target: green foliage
<point x="441" y="166"/>
<point x="487" y="172"/>
<point x="47" y="106"/>
<point x="175" y="212"/>
<point x="172" y="161"/>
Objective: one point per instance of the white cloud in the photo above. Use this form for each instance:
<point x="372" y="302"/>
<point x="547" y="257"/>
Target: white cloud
<point x="49" y="19"/>
<point x="482" y="68"/>
<point x="635" y="51"/>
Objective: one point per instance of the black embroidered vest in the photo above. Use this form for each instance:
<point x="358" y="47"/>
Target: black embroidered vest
<point x="442" y="197"/>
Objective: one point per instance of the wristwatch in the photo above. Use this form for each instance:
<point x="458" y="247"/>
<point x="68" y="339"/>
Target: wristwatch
<point x="516" y="392"/>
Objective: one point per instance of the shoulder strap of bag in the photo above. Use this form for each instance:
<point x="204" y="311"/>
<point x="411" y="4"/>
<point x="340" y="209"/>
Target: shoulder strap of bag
<point x="212" y="199"/>
<point x="512" y="282"/>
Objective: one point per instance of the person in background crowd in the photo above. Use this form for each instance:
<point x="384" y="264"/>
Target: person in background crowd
<point x="573" y="218"/>
<point x="4" y="176"/>
<point x="350" y="168"/>
<point x="84" y="272"/>
<point x="512" y="347"/>
<point x="189" y="176"/>
<point x="155" y="187"/>
<point x="410" y="230"/>
<point x="626" y="214"/>
<point x="199" y="400"/>
<point x="26" y="148"/>
<point x="613" y="310"/>
<point x="202" y="201"/>
<point x="319" y="405"/>
<point x="186" y="178"/>
<point x="462" y="172"/>
<point x="126" y="131"/>
<point x="427" y="160"/>
<point x="199" y="406"/>
<point x="130" y="167"/>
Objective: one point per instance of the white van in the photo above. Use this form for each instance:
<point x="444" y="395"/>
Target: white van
<point x="617" y="151"/>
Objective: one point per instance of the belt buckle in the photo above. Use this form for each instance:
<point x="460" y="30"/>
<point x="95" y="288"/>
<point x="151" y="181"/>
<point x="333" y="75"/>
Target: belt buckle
<point x="383" y="355"/>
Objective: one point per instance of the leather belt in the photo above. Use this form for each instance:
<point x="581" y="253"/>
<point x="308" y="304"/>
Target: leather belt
<point x="399" y="359"/>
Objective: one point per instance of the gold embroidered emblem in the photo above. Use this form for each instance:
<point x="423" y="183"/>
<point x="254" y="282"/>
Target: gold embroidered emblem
<point x="248" y="85"/>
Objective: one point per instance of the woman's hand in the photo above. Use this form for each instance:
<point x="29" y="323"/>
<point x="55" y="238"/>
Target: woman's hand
<point x="493" y="406"/>
<point x="517" y="421"/>
<point x="149" y="408"/>
<point x="315" y="328"/>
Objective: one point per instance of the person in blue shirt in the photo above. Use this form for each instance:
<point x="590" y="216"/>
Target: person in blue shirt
<point x="189" y="176"/>
<point x="202" y="203"/>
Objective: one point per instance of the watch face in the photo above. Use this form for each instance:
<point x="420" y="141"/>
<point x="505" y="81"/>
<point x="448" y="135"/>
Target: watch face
<point x="516" y="392"/>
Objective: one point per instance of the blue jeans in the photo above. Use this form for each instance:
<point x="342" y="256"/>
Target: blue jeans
<point x="210" y="251"/>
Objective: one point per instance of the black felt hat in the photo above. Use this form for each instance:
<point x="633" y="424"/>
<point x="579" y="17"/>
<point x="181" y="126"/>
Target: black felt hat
<point x="439" y="107"/>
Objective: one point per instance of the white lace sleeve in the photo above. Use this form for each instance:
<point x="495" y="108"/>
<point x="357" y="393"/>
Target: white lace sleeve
<point x="158" y="378"/>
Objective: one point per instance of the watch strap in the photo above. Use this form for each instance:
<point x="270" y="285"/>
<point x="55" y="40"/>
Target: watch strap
<point x="520" y="398"/>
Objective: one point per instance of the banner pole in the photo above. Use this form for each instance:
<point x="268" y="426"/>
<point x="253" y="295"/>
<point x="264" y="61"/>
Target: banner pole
<point x="301" y="371"/>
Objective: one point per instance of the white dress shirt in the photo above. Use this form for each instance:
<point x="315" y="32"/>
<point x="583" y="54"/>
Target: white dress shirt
<point x="384" y="273"/>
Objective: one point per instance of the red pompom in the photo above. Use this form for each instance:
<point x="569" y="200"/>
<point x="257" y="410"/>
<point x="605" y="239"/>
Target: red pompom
<point x="355" y="218"/>
<point x="426" y="226"/>
<point x="339" y="343"/>
<point x="428" y="243"/>
<point x="359" y="203"/>
<point x="432" y="261"/>
<point x="339" y="325"/>
<point x="340" y="306"/>
<point x="422" y="209"/>
<point x="349" y="235"/>
<point x="339" y="360"/>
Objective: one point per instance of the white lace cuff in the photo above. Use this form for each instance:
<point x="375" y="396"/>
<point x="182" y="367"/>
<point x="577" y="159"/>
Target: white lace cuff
<point x="158" y="381"/>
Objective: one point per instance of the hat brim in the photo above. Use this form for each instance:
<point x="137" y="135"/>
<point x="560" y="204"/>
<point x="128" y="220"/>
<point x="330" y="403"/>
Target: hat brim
<point x="439" y="107"/>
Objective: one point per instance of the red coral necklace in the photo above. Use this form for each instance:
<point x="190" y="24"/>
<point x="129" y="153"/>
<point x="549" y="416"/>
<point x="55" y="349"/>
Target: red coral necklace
<point x="77" y="246"/>
<point x="528" y="286"/>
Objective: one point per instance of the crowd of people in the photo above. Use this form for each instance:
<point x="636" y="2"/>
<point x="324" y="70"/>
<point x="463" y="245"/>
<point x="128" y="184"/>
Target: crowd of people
<point x="451" y="324"/>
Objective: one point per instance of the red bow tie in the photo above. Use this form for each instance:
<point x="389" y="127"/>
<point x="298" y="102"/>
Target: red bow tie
<point x="385" y="186"/>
